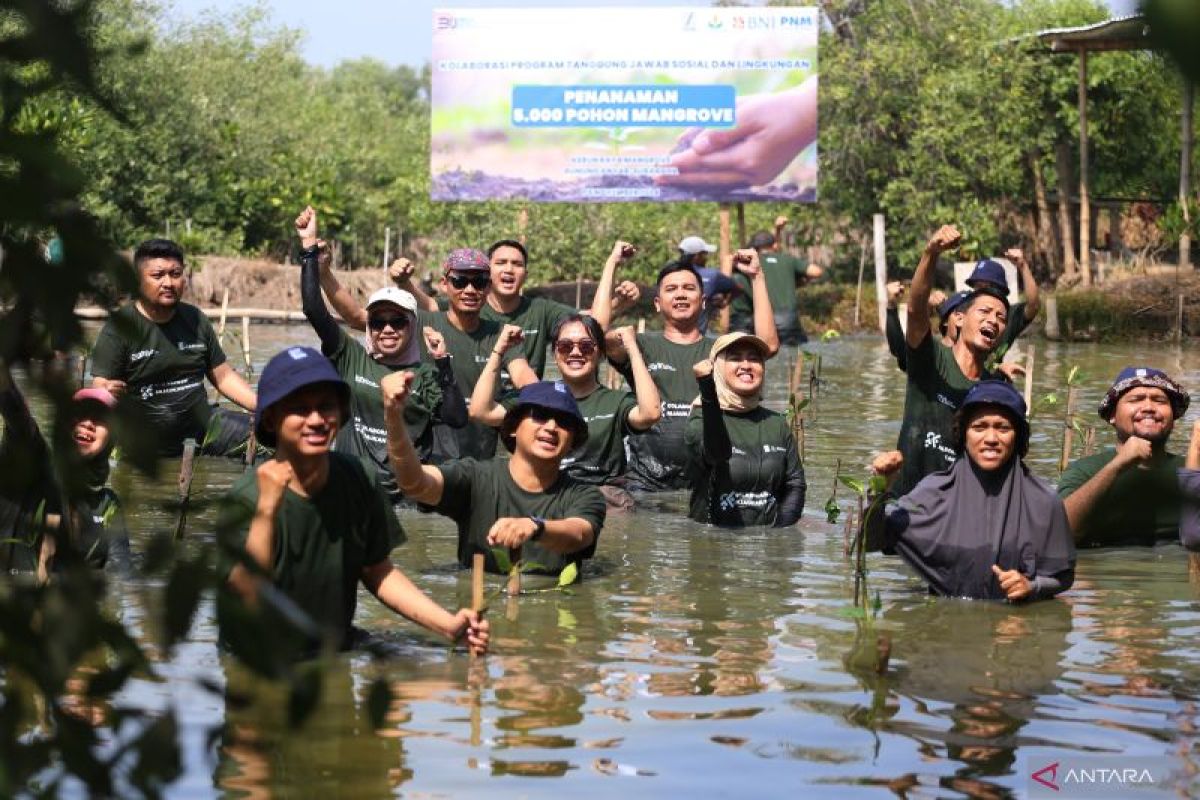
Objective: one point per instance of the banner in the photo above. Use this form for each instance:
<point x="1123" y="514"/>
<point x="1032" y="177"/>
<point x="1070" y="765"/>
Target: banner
<point x="624" y="104"/>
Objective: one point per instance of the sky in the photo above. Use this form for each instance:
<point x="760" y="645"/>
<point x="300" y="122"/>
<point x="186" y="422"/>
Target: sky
<point x="399" y="31"/>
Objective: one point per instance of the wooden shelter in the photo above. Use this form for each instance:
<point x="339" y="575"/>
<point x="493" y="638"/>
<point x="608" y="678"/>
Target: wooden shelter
<point x="1120" y="33"/>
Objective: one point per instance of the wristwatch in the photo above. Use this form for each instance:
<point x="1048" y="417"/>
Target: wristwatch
<point x="539" y="527"/>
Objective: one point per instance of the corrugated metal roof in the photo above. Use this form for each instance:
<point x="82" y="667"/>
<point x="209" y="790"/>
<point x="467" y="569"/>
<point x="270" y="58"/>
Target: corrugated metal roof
<point x="1131" y="32"/>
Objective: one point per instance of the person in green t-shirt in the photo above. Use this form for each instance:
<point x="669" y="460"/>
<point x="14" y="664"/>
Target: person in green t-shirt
<point x="158" y="350"/>
<point x="536" y="316"/>
<point x="391" y="344"/>
<point x="894" y="331"/>
<point x="743" y="463"/>
<point x="658" y="459"/>
<point x="784" y="274"/>
<point x="524" y="505"/>
<point x="32" y="489"/>
<point x="1130" y="494"/>
<point x="989" y="274"/>
<point x="314" y="525"/>
<point x="611" y="415"/>
<point x="940" y="377"/>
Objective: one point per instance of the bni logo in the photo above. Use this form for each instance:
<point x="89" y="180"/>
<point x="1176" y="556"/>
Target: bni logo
<point x="452" y="22"/>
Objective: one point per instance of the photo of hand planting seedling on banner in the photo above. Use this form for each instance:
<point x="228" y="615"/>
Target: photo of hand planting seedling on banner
<point x="649" y="104"/>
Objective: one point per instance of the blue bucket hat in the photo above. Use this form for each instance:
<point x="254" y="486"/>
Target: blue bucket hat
<point x="948" y="306"/>
<point x="291" y="370"/>
<point x="552" y="396"/>
<point x="1144" y="376"/>
<point x="989" y="271"/>
<point x="994" y="392"/>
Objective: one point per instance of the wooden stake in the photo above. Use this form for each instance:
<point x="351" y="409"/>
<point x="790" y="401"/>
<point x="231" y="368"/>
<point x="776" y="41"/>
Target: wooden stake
<point x="862" y="265"/>
<point x="1068" y="431"/>
<point x="186" y="470"/>
<point x="579" y="291"/>
<point x="476" y="584"/>
<point x="881" y="271"/>
<point x="1029" y="359"/>
<point x="1179" y="322"/>
<point x="725" y="259"/>
<point x="514" y="575"/>
<point x="641" y="326"/>
<point x="522" y="224"/>
<point x="246" y="347"/>
<point x="741" y="225"/>
<point x="224" y="315"/>
<point x="797" y="371"/>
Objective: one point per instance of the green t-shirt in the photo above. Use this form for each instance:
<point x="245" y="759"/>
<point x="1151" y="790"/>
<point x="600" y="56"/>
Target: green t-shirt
<point x="365" y="435"/>
<point x="537" y="316"/>
<point x="745" y="490"/>
<point x="163" y="366"/>
<point x="602" y="458"/>
<point x="477" y="493"/>
<point x="322" y="542"/>
<point x="936" y="388"/>
<point x="1141" y="506"/>
<point x="469" y="352"/>
<point x="782" y="272"/>
<point x="658" y="458"/>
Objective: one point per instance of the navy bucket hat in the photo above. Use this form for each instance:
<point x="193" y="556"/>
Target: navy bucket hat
<point x="291" y="370"/>
<point x="995" y="393"/>
<point x="552" y="396"/>
<point x="1144" y="376"/>
<point x="989" y="271"/>
<point x="948" y="307"/>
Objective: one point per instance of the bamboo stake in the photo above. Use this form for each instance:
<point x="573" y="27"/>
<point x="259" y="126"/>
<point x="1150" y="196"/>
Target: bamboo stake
<point x="514" y="575"/>
<point x="641" y="326"/>
<point x="251" y="450"/>
<point x="476" y="584"/>
<point x="1029" y="359"/>
<point x="186" y="471"/>
<point x="579" y="291"/>
<point x="797" y="371"/>
<point x="246" y="348"/>
<point x="224" y="316"/>
<point x="1068" y="431"/>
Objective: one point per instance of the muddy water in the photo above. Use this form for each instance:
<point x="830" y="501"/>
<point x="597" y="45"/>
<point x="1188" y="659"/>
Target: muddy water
<point x="708" y="662"/>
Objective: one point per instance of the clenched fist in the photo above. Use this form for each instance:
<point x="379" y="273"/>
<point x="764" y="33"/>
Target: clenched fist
<point x="946" y="238"/>
<point x="395" y="389"/>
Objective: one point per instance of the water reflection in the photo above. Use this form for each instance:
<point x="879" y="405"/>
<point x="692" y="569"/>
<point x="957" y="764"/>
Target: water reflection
<point x="694" y="660"/>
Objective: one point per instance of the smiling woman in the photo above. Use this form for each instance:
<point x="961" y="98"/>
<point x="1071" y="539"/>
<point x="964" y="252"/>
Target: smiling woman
<point x="985" y="528"/>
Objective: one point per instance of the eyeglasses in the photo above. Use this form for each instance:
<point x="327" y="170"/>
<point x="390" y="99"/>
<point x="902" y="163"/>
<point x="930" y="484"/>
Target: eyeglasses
<point x="379" y="323"/>
<point x="543" y="415"/>
<point x="460" y="282"/>
<point x="564" y="347"/>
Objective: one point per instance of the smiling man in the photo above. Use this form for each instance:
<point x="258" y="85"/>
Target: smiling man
<point x="659" y="456"/>
<point x="469" y="339"/>
<point x="524" y="504"/>
<point x="314" y="524"/>
<point x="940" y="377"/>
<point x="158" y="350"/>
<point x="1130" y="494"/>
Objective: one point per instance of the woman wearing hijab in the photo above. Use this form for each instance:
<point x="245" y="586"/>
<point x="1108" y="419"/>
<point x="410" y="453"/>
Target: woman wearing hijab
<point x="743" y="464"/>
<point x="31" y="494"/>
<point x="611" y="415"/>
<point x="390" y="344"/>
<point x="986" y="528"/>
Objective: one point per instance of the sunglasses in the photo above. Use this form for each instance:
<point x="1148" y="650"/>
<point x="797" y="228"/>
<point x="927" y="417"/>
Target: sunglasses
<point x="543" y="415"/>
<point x="461" y="282"/>
<point x="564" y="347"/>
<point x="379" y="323"/>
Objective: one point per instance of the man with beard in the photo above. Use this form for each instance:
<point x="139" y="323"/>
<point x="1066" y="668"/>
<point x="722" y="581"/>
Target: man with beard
<point x="940" y="377"/>
<point x="1130" y="494"/>
<point x="158" y="350"/>
<point x="658" y="458"/>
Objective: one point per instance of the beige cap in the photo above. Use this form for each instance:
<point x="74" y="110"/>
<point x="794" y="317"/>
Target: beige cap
<point x="724" y="343"/>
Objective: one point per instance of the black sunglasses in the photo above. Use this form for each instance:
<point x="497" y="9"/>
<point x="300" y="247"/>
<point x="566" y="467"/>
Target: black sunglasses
<point x="379" y="323"/>
<point x="460" y="282"/>
<point x="543" y="415"/>
<point x="565" y="347"/>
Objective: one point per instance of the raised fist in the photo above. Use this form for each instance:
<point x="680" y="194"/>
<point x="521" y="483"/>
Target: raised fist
<point x="623" y="251"/>
<point x="306" y="227"/>
<point x="510" y="336"/>
<point x="401" y="271"/>
<point x="946" y="238"/>
<point x="746" y="261"/>
<point x="887" y="463"/>
<point x="702" y="369"/>
<point x="395" y="388"/>
<point x="435" y="343"/>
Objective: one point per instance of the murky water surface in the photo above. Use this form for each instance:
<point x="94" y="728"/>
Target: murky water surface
<point x="709" y="662"/>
